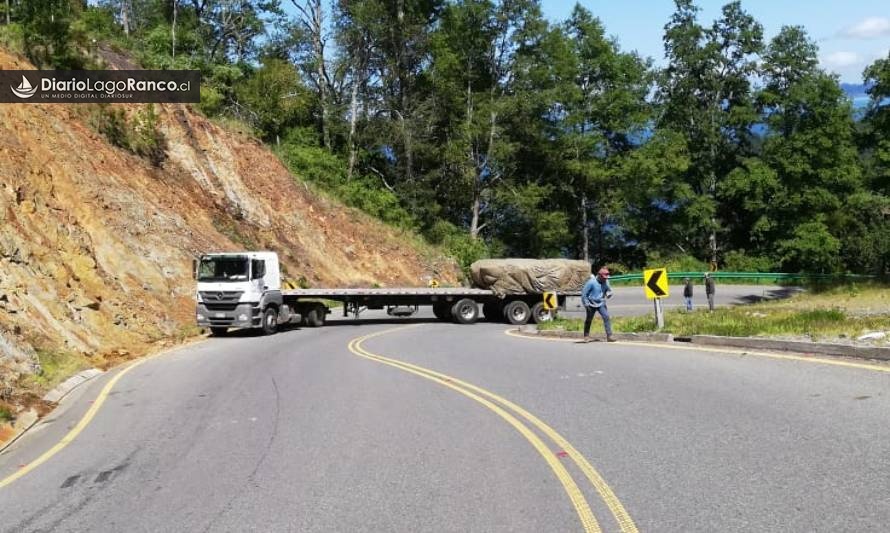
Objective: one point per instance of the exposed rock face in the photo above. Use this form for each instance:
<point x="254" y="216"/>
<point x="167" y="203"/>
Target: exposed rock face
<point x="96" y="243"/>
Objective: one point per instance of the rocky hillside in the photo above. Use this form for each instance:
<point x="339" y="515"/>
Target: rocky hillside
<point x="96" y="243"/>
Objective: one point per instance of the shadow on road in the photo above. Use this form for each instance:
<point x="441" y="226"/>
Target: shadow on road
<point x="772" y="294"/>
<point x="247" y="333"/>
<point x="373" y="321"/>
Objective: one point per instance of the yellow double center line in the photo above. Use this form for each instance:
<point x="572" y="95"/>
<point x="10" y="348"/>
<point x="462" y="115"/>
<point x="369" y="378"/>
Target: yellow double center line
<point x="500" y="407"/>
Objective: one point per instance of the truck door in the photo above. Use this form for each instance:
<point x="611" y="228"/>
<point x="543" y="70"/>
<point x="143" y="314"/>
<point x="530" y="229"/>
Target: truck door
<point x="258" y="273"/>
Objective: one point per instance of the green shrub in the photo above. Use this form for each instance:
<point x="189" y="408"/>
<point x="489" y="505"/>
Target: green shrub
<point x="458" y="244"/>
<point x="57" y="366"/>
<point x="111" y="122"/>
<point x="212" y="101"/>
<point x="617" y="269"/>
<point x="12" y="38"/>
<point x="812" y="248"/>
<point x="146" y="139"/>
<point x="677" y="263"/>
<point x="300" y="153"/>
<point x="7" y="414"/>
<point x="140" y="135"/>
<point x="738" y="261"/>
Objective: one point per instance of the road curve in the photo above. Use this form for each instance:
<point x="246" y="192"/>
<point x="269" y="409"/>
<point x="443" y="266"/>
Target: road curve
<point x="298" y="432"/>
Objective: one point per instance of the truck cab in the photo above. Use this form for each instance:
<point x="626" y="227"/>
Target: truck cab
<point x="238" y="290"/>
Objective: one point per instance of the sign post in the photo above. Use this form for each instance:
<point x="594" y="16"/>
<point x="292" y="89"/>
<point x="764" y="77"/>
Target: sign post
<point x="659" y="315"/>
<point x="550" y="303"/>
<point x="655" y="285"/>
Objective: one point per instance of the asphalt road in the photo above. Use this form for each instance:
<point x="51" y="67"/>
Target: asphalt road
<point x="309" y="431"/>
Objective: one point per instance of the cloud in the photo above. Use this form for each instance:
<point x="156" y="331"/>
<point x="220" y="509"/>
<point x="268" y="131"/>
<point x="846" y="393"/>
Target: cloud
<point x="868" y="28"/>
<point x="840" y="60"/>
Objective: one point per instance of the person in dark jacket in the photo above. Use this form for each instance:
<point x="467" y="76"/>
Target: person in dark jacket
<point x="709" y="290"/>
<point x="687" y="293"/>
<point x="593" y="296"/>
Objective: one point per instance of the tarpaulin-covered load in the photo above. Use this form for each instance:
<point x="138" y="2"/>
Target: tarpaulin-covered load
<point x="529" y="276"/>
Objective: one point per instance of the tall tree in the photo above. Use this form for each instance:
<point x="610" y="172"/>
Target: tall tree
<point x="791" y="202"/>
<point x="706" y="95"/>
<point x="357" y="52"/>
<point x="310" y="38"/>
<point x="604" y="113"/>
<point x="473" y="55"/>
<point x="876" y="138"/>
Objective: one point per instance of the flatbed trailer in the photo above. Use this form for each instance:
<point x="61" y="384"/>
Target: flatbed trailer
<point x="458" y="304"/>
<point x="244" y="290"/>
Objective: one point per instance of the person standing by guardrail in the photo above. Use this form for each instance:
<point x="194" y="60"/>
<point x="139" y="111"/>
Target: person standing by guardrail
<point x="687" y="293"/>
<point x="709" y="290"/>
<point x="594" y="295"/>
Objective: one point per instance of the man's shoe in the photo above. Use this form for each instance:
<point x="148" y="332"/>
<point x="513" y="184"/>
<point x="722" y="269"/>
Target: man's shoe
<point x="611" y="339"/>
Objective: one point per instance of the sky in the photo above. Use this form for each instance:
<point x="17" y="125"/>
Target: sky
<point x="851" y="34"/>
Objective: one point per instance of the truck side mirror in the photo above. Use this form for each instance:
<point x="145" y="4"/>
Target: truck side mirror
<point x="194" y="269"/>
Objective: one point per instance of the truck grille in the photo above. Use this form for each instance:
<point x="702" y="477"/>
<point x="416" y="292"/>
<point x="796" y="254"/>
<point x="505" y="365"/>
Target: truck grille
<point x="221" y="307"/>
<point x="214" y="299"/>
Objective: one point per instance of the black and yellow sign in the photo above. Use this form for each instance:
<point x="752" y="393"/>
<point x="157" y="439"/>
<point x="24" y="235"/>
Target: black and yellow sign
<point x="655" y="283"/>
<point x="550" y="301"/>
<point x="434" y="283"/>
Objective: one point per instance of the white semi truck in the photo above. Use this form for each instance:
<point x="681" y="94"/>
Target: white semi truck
<point x="244" y="290"/>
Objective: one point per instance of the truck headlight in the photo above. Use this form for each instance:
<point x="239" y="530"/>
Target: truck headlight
<point x="198" y="297"/>
<point x="201" y="317"/>
<point x="242" y="317"/>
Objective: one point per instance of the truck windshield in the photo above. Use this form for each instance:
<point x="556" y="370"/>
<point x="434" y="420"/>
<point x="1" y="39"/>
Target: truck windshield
<point x="223" y="268"/>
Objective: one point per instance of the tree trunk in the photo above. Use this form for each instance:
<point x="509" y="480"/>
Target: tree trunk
<point x="601" y="239"/>
<point x="125" y="17"/>
<point x="318" y="45"/>
<point x="173" y="31"/>
<point x="585" y="230"/>
<point x="8" y="9"/>
<point x="353" y="118"/>
<point x="474" y="222"/>
<point x="712" y="237"/>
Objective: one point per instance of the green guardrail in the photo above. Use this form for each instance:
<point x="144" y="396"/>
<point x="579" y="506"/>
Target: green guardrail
<point x="759" y="276"/>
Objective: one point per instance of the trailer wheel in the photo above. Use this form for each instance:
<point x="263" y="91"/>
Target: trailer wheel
<point x="270" y="320"/>
<point x="442" y="311"/>
<point x="493" y="312"/>
<point x="315" y="316"/>
<point x="541" y="315"/>
<point x="465" y="311"/>
<point x="517" y="312"/>
<point x="218" y="331"/>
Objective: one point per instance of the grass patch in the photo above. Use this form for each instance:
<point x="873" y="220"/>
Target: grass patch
<point x="57" y="366"/>
<point x="830" y="312"/>
<point x="7" y="413"/>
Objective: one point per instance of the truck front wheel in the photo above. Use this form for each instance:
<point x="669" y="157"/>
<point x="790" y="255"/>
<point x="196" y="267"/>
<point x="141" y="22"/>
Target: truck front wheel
<point x="270" y="320"/>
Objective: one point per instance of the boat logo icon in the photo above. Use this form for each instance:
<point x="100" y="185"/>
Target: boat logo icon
<point x="25" y="89"/>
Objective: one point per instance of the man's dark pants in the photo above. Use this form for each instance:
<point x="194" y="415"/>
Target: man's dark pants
<point x="607" y="321"/>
